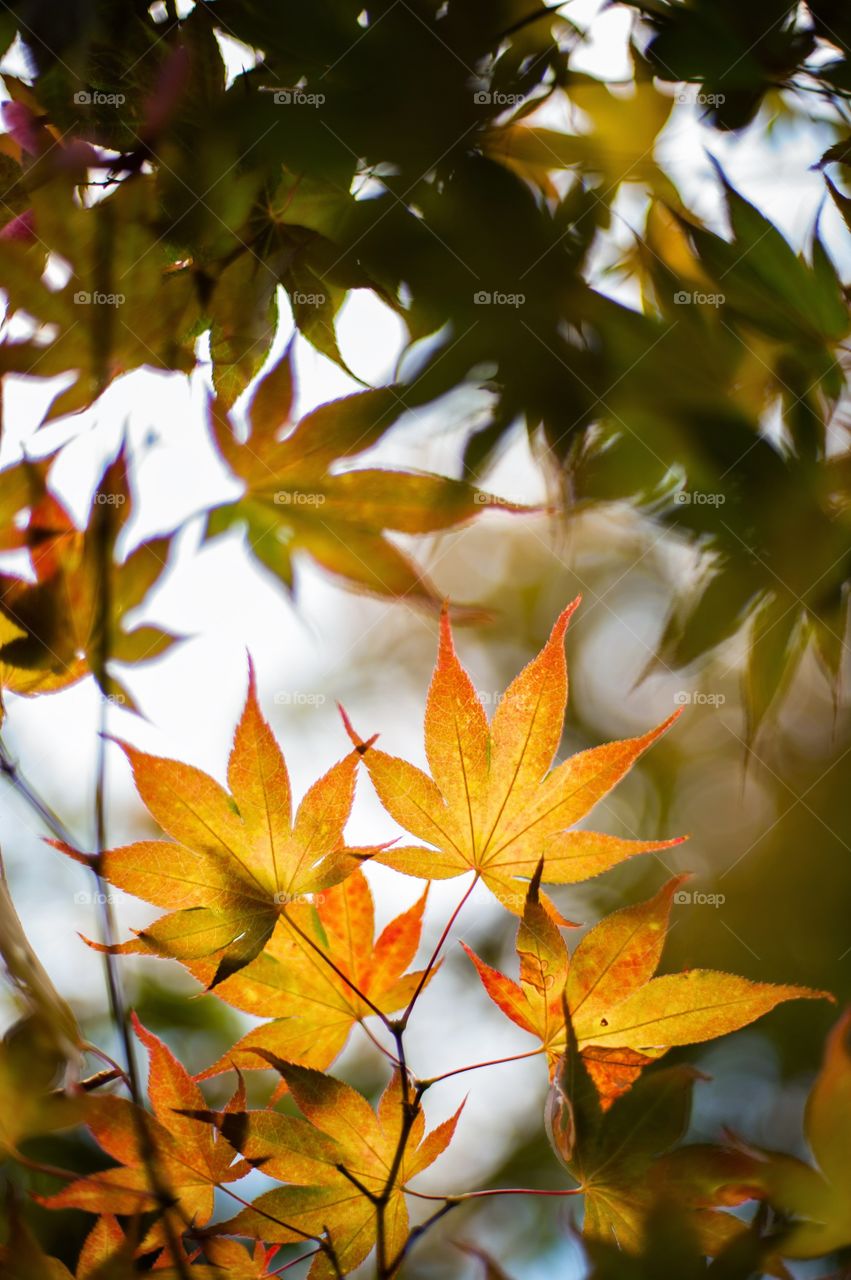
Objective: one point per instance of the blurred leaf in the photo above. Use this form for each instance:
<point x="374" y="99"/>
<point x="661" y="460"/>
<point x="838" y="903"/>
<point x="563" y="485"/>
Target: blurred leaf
<point x="297" y="501"/>
<point x="67" y="623"/>
<point x="165" y="1150"/>
<point x="817" y="1198"/>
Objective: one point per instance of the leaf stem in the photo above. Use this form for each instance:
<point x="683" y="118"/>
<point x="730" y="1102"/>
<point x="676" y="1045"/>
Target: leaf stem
<point x="496" y="1191"/>
<point x="426" y="973"/>
<point x="339" y="972"/>
<point x="293" y="1262"/>
<point x="323" y="1246"/>
<point x="18" y="782"/>
<point x="381" y="1048"/>
<point x="477" y="1066"/>
<point x="420" y="1231"/>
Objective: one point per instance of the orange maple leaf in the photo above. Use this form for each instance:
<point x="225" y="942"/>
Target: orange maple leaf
<point x="238" y="860"/>
<point x="163" y="1152"/>
<point x="334" y="1160"/>
<point x="493" y="803"/>
<point x="315" y="999"/>
<point x="622" y="1016"/>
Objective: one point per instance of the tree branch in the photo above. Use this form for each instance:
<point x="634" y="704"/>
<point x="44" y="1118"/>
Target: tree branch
<point x="426" y="973"/>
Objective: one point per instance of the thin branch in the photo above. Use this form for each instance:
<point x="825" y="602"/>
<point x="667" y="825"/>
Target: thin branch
<point x="365" y="1191"/>
<point x="104" y="1057"/>
<point x="54" y="824"/>
<point x="495" y="1191"/>
<point x="477" y="1066"/>
<point x="101" y="1078"/>
<point x="339" y="972"/>
<point x="102" y="531"/>
<point x="324" y="1246"/>
<point x="381" y="1048"/>
<point x="9" y="768"/>
<point x="418" y="1232"/>
<point x="305" y="1257"/>
<point x="426" y="973"/>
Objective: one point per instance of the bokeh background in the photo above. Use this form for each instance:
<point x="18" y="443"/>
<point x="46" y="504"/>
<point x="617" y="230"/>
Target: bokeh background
<point x="769" y="826"/>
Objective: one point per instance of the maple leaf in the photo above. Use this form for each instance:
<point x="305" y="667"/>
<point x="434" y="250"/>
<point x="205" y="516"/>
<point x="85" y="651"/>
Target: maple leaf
<point x="117" y="310"/>
<point x="67" y="621"/>
<point x="297" y="500"/>
<point x="672" y="1247"/>
<point x="42" y="1042"/>
<point x="238" y="859"/>
<point x="23" y="1258"/>
<point x="335" y="1158"/>
<point x="621" y="1014"/>
<point x="492" y="803"/>
<point x="817" y="1198"/>
<point x="620" y="1158"/>
<point x="313" y="1005"/>
<point x="107" y="1254"/>
<point x="188" y="1162"/>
